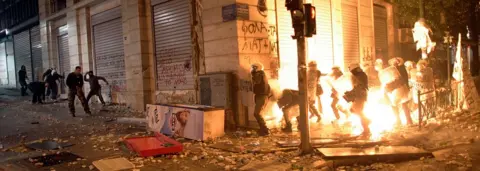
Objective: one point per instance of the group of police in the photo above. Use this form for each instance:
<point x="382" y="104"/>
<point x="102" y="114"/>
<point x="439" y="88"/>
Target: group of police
<point x="394" y="82"/>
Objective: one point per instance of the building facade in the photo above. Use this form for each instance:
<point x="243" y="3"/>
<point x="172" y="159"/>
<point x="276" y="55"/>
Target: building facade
<point x="19" y="41"/>
<point x="155" y="51"/>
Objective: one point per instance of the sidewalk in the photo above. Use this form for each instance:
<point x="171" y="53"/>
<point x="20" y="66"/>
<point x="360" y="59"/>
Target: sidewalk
<point x="454" y="138"/>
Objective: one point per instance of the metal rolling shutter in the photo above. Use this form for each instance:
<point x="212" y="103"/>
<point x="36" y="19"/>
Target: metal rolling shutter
<point x="323" y="39"/>
<point x="21" y="43"/>
<point x="286" y="45"/>
<point x="63" y="59"/>
<point x="350" y="34"/>
<point x="12" y="73"/>
<point x="3" y="65"/>
<point x="381" y="34"/>
<point x="108" y="45"/>
<point x="36" y="52"/>
<point x="173" y="45"/>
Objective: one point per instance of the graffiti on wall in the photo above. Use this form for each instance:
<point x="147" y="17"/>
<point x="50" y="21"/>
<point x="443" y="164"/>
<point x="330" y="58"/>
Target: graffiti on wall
<point x="367" y="55"/>
<point x="259" y="37"/>
<point x="174" y="73"/>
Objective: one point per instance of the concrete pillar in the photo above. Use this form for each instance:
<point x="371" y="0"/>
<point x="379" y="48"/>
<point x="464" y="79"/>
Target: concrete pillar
<point x="84" y="36"/>
<point x="233" y="46"/>
<point x="73" y="40"/>
<point x="367" y="38"/>
<point x="44" y="33"/>
<point x="138" y="50"/>
<point x="337" y="31"/>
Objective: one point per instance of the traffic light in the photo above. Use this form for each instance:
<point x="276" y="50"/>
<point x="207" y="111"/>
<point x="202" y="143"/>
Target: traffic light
<point x="310" y="20"/>
<point x="292" y="5"/>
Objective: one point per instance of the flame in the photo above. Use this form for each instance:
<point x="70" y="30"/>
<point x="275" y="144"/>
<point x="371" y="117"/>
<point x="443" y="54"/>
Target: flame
<point x="377" y="110"/>
<point x="421" y="35"/>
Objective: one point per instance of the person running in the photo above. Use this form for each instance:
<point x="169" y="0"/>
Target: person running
<point x="95" y="87"/>
<point x="358" y="96"/>
<point x="44" y="78"/>
<point x="75" y="88"/>
<point x="22" y="79"/>
<point x="312" y="83"/>
<point x="336" y="73"/>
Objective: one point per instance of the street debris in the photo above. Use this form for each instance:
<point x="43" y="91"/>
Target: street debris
<point x="153" y="145"/>
<point x="48" y="145"/>
<point x="52" y="159"/>
<point x="115" y="164"/>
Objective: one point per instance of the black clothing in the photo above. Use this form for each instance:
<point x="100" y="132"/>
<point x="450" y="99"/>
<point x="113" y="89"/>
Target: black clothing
<point x="23" y="88"/>
<point x="403" y="80"/>
<point x="51" y="79"/>
<point x="94" y="81"/>
<point x="22" y="76"/>
<point x="403" y="74"/>
<point x="74" y="80"/>
<point x="47" y="73"/>
<point x="97" y="92"/>
<point x="261" y="89"/>
<point x="361" y="77"/>
<point x="38" y="90"/>
<point x="260" y="83"/>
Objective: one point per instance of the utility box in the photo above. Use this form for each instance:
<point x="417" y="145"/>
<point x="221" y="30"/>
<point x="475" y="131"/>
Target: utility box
<point x="216" y="89"/>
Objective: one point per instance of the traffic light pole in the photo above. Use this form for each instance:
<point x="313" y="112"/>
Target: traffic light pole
<point x="305" y="146"/>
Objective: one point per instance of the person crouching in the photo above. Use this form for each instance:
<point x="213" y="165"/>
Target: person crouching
<point x="38" y="90"/>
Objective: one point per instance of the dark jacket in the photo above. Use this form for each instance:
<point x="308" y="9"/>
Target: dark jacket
<point x="22" y="75"/>
<point x="260" y="83"/>
<point x="403" y="74"/>
<point x="47" y="73"/>
<point x="93" y="80"/>
<point x="74" y="80"/>
<point x="360" y="90"/>
<point x="402" y="81"/>
<point x="289" y="97"/>
<point x="37" y="87"/>
<point x="361" y="77"/>
<point x="51" y="79"/>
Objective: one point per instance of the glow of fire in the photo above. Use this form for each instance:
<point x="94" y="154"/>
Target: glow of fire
<point x="376" y="109"/>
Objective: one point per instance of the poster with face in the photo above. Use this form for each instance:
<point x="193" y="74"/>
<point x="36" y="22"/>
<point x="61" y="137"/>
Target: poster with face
<point x="185" y="122"/>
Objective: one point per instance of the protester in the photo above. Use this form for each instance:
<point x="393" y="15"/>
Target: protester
<point x="38" y="90"/>
<point x="313" y="76"/>
<point x="51" y="81"/>
<point x="22" y="79"/>
<point x="261" y="89"/>
<point x="44" y="78"/>
<point x="75" y="85"/>
<point x="95" y="87"/>
<point x="358" y="96"/>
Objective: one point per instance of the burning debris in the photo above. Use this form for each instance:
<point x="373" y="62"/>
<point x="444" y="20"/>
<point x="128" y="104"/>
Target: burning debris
<point x="421" y="35"/>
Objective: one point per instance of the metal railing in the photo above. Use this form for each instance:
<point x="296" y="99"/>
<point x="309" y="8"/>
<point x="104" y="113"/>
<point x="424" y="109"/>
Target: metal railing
<point x="437" y="100"/>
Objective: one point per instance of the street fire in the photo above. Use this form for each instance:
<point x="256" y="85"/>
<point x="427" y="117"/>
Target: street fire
<point x="377" y="109"/>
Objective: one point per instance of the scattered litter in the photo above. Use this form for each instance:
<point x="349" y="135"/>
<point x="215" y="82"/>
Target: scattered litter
<point x="153" y="145"/>
<point x="52" y="159"/>
<point x="48" y="145"/>
<point x="115" y="164"/>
